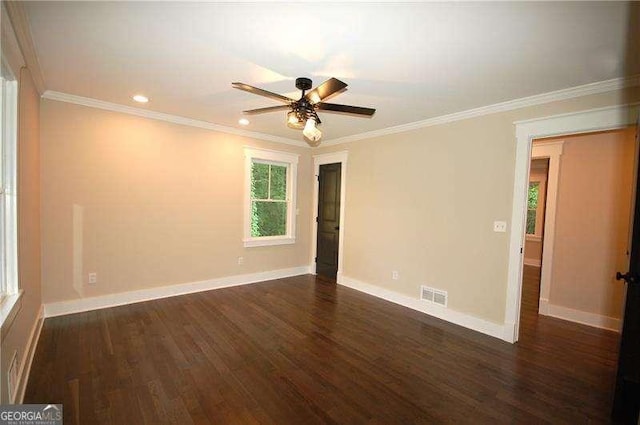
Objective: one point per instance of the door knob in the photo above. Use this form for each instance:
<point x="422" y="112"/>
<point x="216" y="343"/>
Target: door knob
<point x="627" y="277"/>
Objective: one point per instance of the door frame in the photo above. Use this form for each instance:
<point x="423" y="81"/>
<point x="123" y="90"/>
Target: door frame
<point x="318" y="160"/>
<point x="600" y="119"/>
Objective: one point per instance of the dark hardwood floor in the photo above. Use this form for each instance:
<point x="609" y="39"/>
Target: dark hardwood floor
<point x="305" y="351"/>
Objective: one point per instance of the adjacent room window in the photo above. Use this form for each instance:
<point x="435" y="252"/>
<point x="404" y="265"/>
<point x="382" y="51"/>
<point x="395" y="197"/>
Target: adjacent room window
<point x="532" y="208"/>
<point x="8" y="185"/>
<point x="269" y="197"/>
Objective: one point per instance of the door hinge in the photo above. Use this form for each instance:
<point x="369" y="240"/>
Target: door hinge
<point x="520" y="250"/>
<point x="315" y="259"/>
<point x="316" y="219"/>
<point x="318" y="177"/>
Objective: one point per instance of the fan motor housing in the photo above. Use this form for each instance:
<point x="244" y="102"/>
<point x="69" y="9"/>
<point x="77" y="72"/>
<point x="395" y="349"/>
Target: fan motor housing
<point x="303" y="83"/>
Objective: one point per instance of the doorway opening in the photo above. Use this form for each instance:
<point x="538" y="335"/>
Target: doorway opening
<point x="594" y="120"/>
<point x="569" y="268"/>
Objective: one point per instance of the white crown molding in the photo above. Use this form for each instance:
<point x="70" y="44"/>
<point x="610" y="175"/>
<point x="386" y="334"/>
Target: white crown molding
<point x="564" y="94"/>
<point x="161" y="116"/>
<point x="22" y="31"/>
<point x="570" y="93"/>
<point x="124" y="298"/>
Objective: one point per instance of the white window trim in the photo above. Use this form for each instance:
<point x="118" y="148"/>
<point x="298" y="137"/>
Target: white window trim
<point x="10" y="293"/>
<point x="286" y="158"/>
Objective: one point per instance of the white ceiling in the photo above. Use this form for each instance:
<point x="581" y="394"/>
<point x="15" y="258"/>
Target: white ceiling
<point x="411" y="61"/>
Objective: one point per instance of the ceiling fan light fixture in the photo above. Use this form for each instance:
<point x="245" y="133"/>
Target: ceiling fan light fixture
<point x="302" y="112"/>
<point x="311" y="132"/>
<point x="295" y="121"/>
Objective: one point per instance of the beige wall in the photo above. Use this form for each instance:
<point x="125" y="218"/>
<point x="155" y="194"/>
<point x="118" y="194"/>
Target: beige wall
<point x="15" y="336"/>
<point x="533" y="245"/>
<point x="592" y="221"/>
<point x="157" y="204"/>
<point x="145" y="203"/>
<point x="423" y="203"/>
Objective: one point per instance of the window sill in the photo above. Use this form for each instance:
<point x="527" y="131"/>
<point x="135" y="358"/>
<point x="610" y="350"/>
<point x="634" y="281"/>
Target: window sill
<point x="9" y="307"/>
<point x="268" y="241"/>
<point x="534" y="238"/>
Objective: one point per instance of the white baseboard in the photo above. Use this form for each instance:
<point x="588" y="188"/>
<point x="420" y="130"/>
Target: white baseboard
<point x="543" y="307"/>
<point x="532" y="262"/>
<point x="509" y="332"/>
<point x="112" y="300"/>
<point x="27" y="356"/>
<point x="465" y="320"/>
<point x="577" y="316"/>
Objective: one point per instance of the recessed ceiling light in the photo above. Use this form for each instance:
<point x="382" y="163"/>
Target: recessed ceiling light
<point x="243" y="121"/>
<point x="140" y="98"/>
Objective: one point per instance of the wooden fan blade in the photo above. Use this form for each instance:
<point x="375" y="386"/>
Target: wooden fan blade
<point x="269" y="109"/>
<point x="255" y="90"/>
<point x="324" y="90"/>
<point x="357" y="110"/>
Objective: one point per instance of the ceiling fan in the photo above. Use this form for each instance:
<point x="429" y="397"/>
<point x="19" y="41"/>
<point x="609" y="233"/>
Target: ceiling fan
<point x="303" y="112"/>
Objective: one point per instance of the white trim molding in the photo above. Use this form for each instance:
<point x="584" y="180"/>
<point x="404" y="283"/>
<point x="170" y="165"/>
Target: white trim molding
<point x="486" y="327"/>
<point x="532" y="262"/>
<point x="10" y="305"/>
<point x="539" y="99"/>
<point x="553" y="151"/>
<point x="22" y="31"/>
<point x="601" y="119"/>
<point x="582" y="317"/>
<point x="123" y="298"/>
<point x="533" y="238"/>
<point x="318" y="160"/>
<point x="27" y="356"/>
<point x="161" y="116"/>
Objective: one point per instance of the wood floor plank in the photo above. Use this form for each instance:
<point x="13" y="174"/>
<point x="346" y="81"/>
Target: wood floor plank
<point x="303" y="350"/>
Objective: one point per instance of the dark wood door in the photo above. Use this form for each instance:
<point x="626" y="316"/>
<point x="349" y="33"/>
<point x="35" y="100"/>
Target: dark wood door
<point x="626" y="404"/>
<point x="329" y="180"/>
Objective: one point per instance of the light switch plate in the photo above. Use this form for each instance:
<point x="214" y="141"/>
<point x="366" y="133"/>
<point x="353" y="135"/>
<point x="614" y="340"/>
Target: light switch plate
<point x="500" y="226"/>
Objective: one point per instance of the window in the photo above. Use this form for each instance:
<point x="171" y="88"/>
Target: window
<point x="8" y="186"/>
<point x="532" y="207"/>
<point x="269" y="197"/>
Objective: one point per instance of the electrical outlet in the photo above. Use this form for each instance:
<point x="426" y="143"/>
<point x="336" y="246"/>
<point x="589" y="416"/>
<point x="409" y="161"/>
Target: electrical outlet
<point x="500" y="226"/>
<point x="93" y="278"/>
<point x="240" y="261"/>
<point x="394" y="275"/>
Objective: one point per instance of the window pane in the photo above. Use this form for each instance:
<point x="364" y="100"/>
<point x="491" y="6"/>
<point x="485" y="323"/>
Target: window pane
<point x="534" y="190"/>
<point x="278" y="182"/>
<point x="531" y="222"/>
<point x="268" y="218"/>
<point x="259" y="181"/>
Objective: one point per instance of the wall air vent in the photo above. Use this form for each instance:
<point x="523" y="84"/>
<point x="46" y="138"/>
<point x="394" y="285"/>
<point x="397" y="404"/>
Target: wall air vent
<point x="426" y="293"/>
<point x="432" y="295"/>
